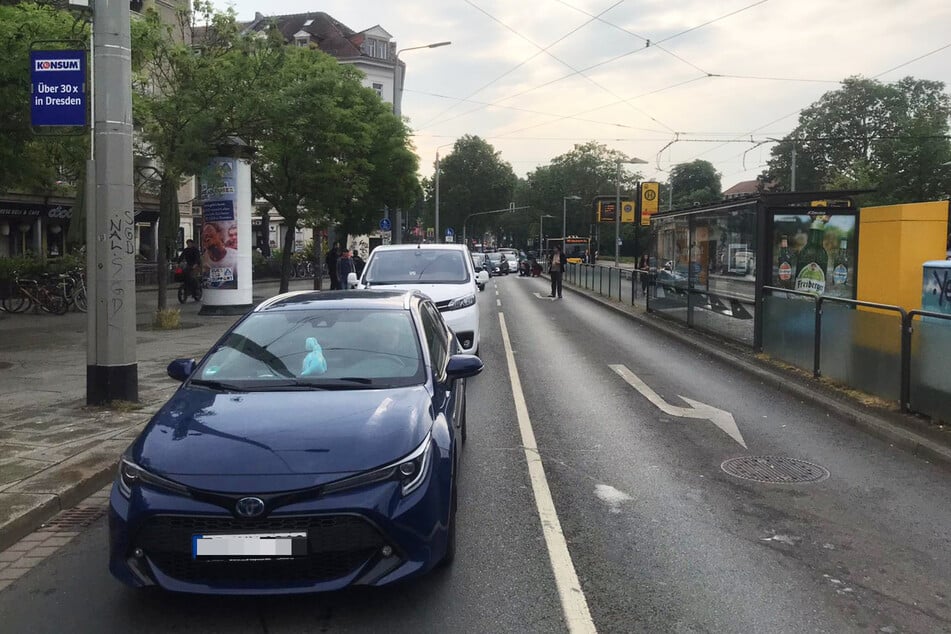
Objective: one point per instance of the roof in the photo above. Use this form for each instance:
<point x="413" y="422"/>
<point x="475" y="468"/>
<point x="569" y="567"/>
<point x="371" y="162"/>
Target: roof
<point x="426" y="246"/>
<point x="743" y="187"/>
<point x="326" y="32"/>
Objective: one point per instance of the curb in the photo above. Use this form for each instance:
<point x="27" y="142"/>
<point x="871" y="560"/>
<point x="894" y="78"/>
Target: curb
<point x="23" y="525"/>
<point x="870" y="421"/>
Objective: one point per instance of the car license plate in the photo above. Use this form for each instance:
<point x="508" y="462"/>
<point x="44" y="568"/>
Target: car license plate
<point x="250" y="545"/>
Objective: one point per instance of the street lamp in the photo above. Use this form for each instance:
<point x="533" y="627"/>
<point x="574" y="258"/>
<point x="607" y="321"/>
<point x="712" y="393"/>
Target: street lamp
<point x="564" y="214"/>
<point x="541" y="233"/>
<point x="617" y="209"/>
<point x="398" y="76"/>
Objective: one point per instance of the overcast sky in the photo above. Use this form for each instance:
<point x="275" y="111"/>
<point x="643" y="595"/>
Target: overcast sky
<point x="535" y="77"/>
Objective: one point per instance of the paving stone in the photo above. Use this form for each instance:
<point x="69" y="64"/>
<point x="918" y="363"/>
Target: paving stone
<point x="11" y="574"/>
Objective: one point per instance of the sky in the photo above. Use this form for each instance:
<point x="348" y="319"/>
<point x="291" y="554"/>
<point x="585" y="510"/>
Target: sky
<point x="665" y="81"/>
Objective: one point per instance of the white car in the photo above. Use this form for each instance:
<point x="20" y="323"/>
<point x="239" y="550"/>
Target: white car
<point x="444" y="272"/>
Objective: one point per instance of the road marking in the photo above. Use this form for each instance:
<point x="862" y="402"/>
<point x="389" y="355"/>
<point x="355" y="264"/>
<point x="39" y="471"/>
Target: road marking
<point x="498" y="302"/>
<point x="573" y="602"/>
<point x="548" y="297"/>
<point x="611" y="496"/>
<point x="723" y="420"/>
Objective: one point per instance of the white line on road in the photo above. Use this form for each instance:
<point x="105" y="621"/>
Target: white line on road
<point x="548" y="297"/>
<point x="573" y="602"/>
<point x="498" y="302"/>
<point x="723" y="420"/>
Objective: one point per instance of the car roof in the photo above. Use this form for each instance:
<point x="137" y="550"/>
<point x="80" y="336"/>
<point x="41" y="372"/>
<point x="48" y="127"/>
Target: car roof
<point x="405" y="247"/>
<point x="351" y="299"/>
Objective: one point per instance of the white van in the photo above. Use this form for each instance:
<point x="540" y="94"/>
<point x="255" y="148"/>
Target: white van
<point x="444" y="272"/>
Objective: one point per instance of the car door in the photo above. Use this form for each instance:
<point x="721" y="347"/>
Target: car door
<point x="441" y="341"/>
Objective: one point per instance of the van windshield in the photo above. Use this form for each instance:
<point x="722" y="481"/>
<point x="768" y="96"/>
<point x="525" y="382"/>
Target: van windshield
<point x="417" y="266"/>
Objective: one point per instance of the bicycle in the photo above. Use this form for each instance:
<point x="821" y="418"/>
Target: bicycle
<point x="75" y="288"/>
<point x="183" y="290"/>
<point x="50" y="296"/>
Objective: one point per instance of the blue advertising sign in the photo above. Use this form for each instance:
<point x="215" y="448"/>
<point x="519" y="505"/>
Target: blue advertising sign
<point x="449" y="232"/>
<point x="385" y="224"/>
<point x="219" y="231"/>
<point x="58" y="88"/>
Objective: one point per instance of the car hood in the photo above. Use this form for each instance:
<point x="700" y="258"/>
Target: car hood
<point x="260" y="436"/>
<point x="435" y="292"/>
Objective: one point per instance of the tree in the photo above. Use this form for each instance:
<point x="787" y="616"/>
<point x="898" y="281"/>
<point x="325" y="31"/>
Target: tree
<point x="473" y="178"/>
<point x="49" y="165"/>
<point x="696" y="182"/>
<point x="890" y="137"/>
<point x="187" y="100"/>
<point x="330" y="151"/>
<point x="587" y="171"/>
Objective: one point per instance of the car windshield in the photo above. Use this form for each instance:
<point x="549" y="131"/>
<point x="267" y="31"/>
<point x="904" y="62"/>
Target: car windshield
<point x="494" y="258"/>
<point x="417" y="266"/>
<point x="316" y="349"/>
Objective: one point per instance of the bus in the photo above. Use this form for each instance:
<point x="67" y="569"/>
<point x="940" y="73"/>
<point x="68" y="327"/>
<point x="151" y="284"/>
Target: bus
<point x="575" y="247"/>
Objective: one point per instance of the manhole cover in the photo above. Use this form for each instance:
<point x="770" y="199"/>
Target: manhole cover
<point x="774" y="469"/>
<point x="76" y="517"/>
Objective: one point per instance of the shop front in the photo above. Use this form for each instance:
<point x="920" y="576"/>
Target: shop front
<point x="37" y="228"/>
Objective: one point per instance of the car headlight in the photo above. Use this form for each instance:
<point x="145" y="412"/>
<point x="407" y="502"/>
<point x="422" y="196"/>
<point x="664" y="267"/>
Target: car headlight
<point x="462" y="302"/>
<point x="409" y="472"/>
<point x="131" y="475"/>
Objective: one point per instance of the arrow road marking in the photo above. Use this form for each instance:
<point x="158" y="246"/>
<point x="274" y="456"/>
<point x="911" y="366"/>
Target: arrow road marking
<point x="723" y="420"/>
<point x="540" y="296"/>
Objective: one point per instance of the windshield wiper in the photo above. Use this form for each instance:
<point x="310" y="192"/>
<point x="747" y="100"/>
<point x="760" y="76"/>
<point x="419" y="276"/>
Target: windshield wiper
<point x="218" y="385"/>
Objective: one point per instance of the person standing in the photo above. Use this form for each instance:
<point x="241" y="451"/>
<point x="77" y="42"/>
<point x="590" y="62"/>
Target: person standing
<point x="643" y="269"/>
<point x="556" y="268"/>
<point x="344" y="269"/>
<point x="331" y="260"/>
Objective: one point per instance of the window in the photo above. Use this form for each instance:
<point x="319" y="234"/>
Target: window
<point x="376" y="48"/>
<point x="302" y="41"/>
<point x="436" y="337"/>
<point x="379" y="89"/>
<point x="417" y="266"/>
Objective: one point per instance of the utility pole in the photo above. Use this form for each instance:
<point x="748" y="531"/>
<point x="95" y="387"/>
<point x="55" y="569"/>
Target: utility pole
<point x="111" y="367"/>
<point x="792" y="179"/>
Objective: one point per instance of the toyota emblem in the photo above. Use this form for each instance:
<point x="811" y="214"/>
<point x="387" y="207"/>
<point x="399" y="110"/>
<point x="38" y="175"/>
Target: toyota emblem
<point x="249" y="507"/>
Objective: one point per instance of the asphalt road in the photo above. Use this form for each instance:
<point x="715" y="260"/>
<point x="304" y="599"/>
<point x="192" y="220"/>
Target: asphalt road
<point x="661" y="538"/>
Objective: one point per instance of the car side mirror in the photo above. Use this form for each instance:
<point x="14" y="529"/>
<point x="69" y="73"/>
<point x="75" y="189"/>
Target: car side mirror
<point x="352" y="280"/>
<point x="181" y="369"/>
<point x="462" y="366"/>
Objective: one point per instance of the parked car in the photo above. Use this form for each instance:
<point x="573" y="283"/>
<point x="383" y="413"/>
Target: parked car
<point x="443" y="272"/>
<point x="315" y="446"/>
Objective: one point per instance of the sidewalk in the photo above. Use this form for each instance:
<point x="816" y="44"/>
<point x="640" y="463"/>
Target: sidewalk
<point x="54" y="450"/>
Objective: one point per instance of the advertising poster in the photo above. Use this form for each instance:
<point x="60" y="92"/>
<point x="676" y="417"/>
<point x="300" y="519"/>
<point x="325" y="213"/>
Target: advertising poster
<point x="815" y="252"/>
<point x="219" y="232"/>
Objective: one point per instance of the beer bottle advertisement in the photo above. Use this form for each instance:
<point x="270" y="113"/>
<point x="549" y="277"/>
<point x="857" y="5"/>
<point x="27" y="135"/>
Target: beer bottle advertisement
<point x="815" y="253"/>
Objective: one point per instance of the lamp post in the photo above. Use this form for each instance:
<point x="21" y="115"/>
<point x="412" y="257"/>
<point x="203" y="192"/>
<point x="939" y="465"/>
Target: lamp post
<point x="437" y="191"/>
<point x="541" y="233"/>
<point x="617" y="209"/>
<point x="398" y="76"/>
<point x="564" y="214"/>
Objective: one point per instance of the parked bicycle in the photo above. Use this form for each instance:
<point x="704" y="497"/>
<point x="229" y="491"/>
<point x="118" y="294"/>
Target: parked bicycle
<point x="75" y="281"/>
<point x="47" y="294"/>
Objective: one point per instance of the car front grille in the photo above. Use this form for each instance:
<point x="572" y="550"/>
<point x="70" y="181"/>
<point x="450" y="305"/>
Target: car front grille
<point x="443" y="305"/>
<point x="336" y="546"/>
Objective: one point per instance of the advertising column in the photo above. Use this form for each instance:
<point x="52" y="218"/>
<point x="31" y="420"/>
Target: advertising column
<point x="226" y="236"/>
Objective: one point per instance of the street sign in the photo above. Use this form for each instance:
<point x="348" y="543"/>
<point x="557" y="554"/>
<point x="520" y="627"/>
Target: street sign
<point x="449" y="232"/>
<point x="58" y="81"/>
<point x="649" y="201"/>
<point x="385" y="224"/>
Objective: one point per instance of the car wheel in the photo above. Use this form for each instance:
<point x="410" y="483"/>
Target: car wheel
<point x="481" y="287"/>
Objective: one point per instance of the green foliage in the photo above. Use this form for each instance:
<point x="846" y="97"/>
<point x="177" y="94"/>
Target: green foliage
<point x="588" y="170"/>
<point x="474" y="178"/>
<point x="696" y="182"/>
<point x="890" y="137"/>
<point x="47" y="165"/>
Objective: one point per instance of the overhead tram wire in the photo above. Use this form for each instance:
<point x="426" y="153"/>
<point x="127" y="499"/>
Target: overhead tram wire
<point x="755" y="130"/>
<point x="602" y="63"/>
<point x="564" y="63"/>
<point x="520" y="64"/>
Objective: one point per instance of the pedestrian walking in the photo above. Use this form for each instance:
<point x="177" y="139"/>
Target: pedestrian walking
<point x="331" y="260"/>
<point x="556" y="268"/>
<point x="344" y="269"/>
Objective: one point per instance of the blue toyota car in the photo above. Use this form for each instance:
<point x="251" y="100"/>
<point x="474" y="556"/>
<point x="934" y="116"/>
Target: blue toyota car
<point x="315" y="446"/>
